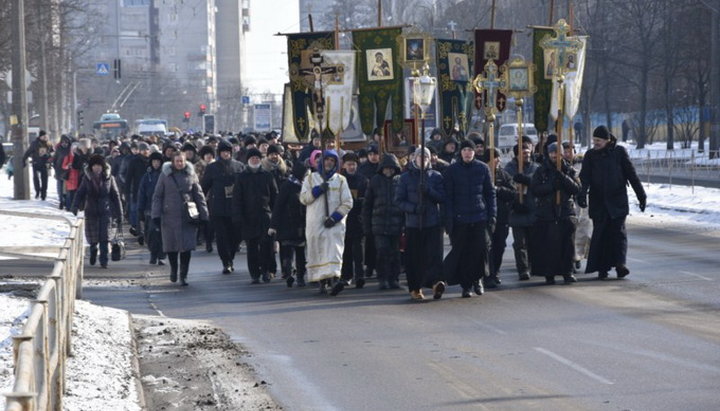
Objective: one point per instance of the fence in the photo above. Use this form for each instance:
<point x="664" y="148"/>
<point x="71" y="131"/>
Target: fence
<point x="40" y="352"/>
<point x="682" y="166"/>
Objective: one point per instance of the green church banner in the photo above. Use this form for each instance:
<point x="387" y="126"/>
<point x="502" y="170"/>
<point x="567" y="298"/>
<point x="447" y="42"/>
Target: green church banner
<point x="543" y="96"/>
<point x="300" y="47"/>
<point x="380" y="77"/>
<point x="454" y="60"/>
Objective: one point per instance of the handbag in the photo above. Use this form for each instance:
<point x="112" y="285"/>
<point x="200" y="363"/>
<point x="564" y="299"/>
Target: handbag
<point x="189" y="208"/>
<point x="117" y="250"/>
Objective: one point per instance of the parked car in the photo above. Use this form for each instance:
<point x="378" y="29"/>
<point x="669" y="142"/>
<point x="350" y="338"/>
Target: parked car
<point x="508" y="135"/>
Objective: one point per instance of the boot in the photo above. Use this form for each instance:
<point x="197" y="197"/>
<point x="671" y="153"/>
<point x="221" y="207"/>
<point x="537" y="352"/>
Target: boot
<point x="173" y="272"/>
<point x="323" y="287"/>
<point x="569" y="279"/>
<point x="184" y="267"/>
<point x="301" y="279"/>
<point x="338" y="287"/>
<point x="622" y="271"/>
<point x="289" y="281"/>
<point x="93" y="253"/>
<point x="491" y="282"/>
<point x="359" y="282"/>
<point x="478" y="287"/>
<point x="550" y="279"/>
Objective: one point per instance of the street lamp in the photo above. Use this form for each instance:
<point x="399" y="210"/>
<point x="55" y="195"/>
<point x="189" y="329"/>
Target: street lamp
<point x="423" y="93"/>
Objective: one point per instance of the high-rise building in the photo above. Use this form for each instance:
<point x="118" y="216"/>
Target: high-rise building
<point x="232" y="22"/>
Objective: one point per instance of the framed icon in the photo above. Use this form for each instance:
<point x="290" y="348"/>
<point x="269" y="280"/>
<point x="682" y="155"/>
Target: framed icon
<point x="518" y="79"/>
<point x="398" y="142"/>
<point x="491" y="50"/>
<point x="459" y="67"/>
<point x="379" y="64"/>
<point x="414" y="49"/>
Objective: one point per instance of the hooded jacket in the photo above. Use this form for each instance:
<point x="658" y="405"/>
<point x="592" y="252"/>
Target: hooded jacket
<point x="381" y="214"/>
<point x="407" y="197"/>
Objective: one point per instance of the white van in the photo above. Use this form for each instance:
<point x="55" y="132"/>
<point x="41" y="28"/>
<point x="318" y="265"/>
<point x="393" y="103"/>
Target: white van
<point x="508" y="135"/>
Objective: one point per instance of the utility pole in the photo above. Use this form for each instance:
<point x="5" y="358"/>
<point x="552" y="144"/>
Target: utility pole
<point x="19" y="116"/>
<point x="714" y="137"/>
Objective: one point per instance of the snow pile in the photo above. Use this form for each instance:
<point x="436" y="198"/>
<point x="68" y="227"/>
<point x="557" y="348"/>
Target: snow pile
<point x="100" y="375"/>
<point x="679" y="205"/>
<point x="12" y="318"/>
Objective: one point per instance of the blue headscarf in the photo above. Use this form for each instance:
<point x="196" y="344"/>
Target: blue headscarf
<point x="328" y="173"/>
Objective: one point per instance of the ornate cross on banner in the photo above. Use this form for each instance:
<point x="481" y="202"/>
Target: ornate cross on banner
<point x="562" y="49"/>
<point x="491" y="81"/>
<point x="317" y="71"/>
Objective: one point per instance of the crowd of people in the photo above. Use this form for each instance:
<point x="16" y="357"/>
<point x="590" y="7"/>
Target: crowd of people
<point x="340" y="217"/>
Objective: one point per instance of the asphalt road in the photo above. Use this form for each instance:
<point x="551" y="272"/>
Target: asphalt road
<point x="649" y="342"/>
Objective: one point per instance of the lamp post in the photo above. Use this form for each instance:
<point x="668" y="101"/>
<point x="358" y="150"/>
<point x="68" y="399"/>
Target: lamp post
<point x="423" y="93"/>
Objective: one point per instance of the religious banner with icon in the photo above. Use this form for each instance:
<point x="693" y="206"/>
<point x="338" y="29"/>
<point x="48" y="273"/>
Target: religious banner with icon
<point x="492" y="45"/>
<point x="544" y="84"/>
<point x="454" y="60"/>
<point x="300" y="47"/>
<point x="380" y="77"/>
<point x="575" y="65"/>
<point x="339" y="87"/>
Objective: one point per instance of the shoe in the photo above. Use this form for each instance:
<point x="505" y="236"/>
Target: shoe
<point x="466" y="293"/>
<point x="478" y="288"/>
<point x="266" y="278"/>
<point x="103" y="265"/>
<point x="232" y="266"/>
<point x="153" y="260"/>
<point x="323" y="287"/>
<point x="173" y="275"/>
<point x="549" y="279"/>
<point x="226" y="269"/>
<point x="209" y="248"/>
<point x="622" y="271"/>
<point x="490" y="282"/>
<point x="438" y="290"/>
<point x="393" y="284"/>
<point x="183" y="282"/>
<point x="289" y="281"/>
<point x="160" y="261"/>
<point x="569" y="279"/>
<point x="524" y="276"/>
<point x="141" y="239"/>
<point x="417" y="295"/>
<point x="61" y="206"/>
<point x="93" y="258"/>
<point x="578" y="264"/>
<point x="360" y="283"/>
<point x="369" y="272"/>
<point x="602" y="275"/>
<point x="255" y="281"/>
<point x="133" y="231"/>
<point x="37" y="195"/>
<point x="383" y="285"/>
<point x="337" y="288"/>
<point x="301" y="280"/>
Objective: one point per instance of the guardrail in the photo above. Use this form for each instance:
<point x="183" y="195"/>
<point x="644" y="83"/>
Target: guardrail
<point x="40" y="352"/>
<point x="684" y="166"/>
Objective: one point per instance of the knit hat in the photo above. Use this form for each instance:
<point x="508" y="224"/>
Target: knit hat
<point x="419" y="151"/>
<point x="274" y="148"/>
<point x="373" y="149"/>
<point x="96" y="159"/>
<point x="156" y="156"/>
<point x="350" y="156"/>
<point x="552" y="148"/>
<point x="206" y="149"/>
<point x="467" y="144"/>
<point x="143" y="146"/>
<point x="250" y="140"/>
<point x="189" y="147"/>
<point x="298" y="170"/>
<point x="254" y="152"/>
<point x="602" y="132"/>
<point x="224" y="145"/>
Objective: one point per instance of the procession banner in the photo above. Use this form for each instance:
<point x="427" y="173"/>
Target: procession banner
<point x="454" y="60"/>
<point x="339" y="87"/>
<point x="573" y="82"/>
<point x="492" y="45"/>
<point x="543" y="79"/>
<point x="380" y="77"/>
<point x="288" y="128"/>
<point x="300" y="47"/>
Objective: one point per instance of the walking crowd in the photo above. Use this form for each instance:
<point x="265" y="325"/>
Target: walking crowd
<point x="338" y="217"/>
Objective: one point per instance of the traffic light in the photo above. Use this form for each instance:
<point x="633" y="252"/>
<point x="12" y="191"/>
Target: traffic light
<point x="203" y="109"/>
<point x="80" y="119"/>
<point x="116" y="69"/>
<point x="186" y="117"/>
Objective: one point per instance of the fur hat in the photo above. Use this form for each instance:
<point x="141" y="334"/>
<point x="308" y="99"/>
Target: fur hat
<point x="254" y="152"/>
<point x="96" y="159"/>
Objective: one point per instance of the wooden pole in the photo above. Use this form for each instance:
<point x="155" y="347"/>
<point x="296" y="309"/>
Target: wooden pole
<point x="312" y="27"/>
<point x="521" y="161"/>
<point x="492" y="15"/>
<point x="491" y="138"/>
<point x="337" y="32"/>
<point x="379" y="13"/>
<point x="552" y="11"/>
<point x="561" y="114"/>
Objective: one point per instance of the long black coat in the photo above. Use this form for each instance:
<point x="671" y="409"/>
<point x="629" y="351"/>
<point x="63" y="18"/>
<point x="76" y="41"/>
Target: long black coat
<point x="605" y="174"/>
<point x="545" y="183"/>
<point x="217" y="184"/>
<point x="101" y="204"/>
<point x="506" y="195"/>
<point x="358" y="186"/>
<point x="135" y="172"/>
<point x="381" y="214"/>
<point x="254" y="195"/>
<point x="522" y="216"/>
<point x="288" y="215"/>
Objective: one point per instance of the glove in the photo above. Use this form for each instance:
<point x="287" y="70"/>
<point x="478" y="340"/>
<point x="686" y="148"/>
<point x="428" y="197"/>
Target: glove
<point x="521" y="179"/>
<point x="582" y="201"/>
<point x="491" y="224"/>
<point x="643" y="203"/>
<point x="271" y="232"/>
<point x="329" y="222"/>
<point x="325" y="186"/>
<point x="156" y="221"/>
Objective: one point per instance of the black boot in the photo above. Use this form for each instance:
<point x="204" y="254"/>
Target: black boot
<point x="93" y="253"/>
<point x="301" y="279"/>
<point x="338" y="287"/>
<point x="184" y="267"/>
<point x="173" y="267"/>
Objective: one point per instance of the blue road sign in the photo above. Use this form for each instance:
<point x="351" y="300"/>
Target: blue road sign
<point x="102" y="69"/>
<point x="245" y="99"/>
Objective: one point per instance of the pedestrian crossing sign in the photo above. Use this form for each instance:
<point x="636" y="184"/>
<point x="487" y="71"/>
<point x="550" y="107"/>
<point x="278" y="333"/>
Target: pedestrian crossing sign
<point x="102" y="69"/>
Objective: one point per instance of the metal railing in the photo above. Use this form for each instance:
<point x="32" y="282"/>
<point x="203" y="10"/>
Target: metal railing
<point x="680" y="166"/>
<point x="41" y="350"/>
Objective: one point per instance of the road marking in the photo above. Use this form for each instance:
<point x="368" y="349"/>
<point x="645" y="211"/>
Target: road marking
<point x="636" y="260"/>
<point x="697" y="275"/>
<point x="574" y="366"/>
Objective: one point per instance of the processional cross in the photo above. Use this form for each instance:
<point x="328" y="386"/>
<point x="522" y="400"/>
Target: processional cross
<point x="317" y="71"/>
<point x="491" y="82"/>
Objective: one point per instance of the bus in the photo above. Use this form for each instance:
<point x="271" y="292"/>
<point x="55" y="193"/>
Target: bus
<point x="111" y="126"/>
<point x="151" y="126"/>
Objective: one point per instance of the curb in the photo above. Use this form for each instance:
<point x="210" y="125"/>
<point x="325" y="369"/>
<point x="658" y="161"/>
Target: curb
<point x="136" y="365"/>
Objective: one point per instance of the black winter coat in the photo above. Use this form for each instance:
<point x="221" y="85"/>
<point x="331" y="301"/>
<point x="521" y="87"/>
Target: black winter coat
<point x="545" y="183"/>
<point x="469" y="194"/>
<point x="407" y="196"/>
<point x="605" y="174"/>
<point x="254" y="195"/>
<point x="368" y="169"/>
<point x="217" y="183"/>
<point x="61" y="151"/>
<point x="146" y="190"/>
<point x="381" y="214"/>
<point x="101" y="205"/>
<point x="522" y="215"/>
<point x="137" y="167"/>
<point x="358" y="186"/>
<point x="288" y="214"/>
<point x="506" y="195"/>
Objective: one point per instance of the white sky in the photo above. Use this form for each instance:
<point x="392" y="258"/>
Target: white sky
<point x="266" y="53"/>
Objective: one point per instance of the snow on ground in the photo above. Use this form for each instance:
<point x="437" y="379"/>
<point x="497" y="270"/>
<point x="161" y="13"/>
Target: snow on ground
<point x="12" y="318"/>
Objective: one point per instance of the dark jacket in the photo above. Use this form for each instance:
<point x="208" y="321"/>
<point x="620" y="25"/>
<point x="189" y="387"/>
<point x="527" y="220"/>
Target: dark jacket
<point x="506" y="195"/>
<point x="217" y="184"/>
<point x="368" y="169"/>
<point x="61" y="151"/>
<point x="39" y="151"/>
<point x="254" y="195"/>
<point x="3" y="158"/>
<point x="522" y="215"/>
<point x="605" y="174"/>
<point x="381" y="214"/>
<point x="101" y="204"/>
<point x="358" y="186"/>
<point x="469" y="193"/>
<point x="279" y="171"/>
<point x="546" y="182"/>
<point x="288" y="214"/>
<point x="407" y="197"/>
<point x="80" y="161"/>
<point x="146" y="190"/>
<point x="137" y="167"/>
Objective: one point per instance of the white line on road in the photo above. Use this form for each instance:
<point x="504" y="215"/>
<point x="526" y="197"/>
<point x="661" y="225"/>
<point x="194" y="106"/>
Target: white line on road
<point x="574" y="366"/>
<point x="697" y="275"/>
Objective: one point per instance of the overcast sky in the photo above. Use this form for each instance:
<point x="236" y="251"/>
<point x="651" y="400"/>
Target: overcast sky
<point x="266" y="53"/>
